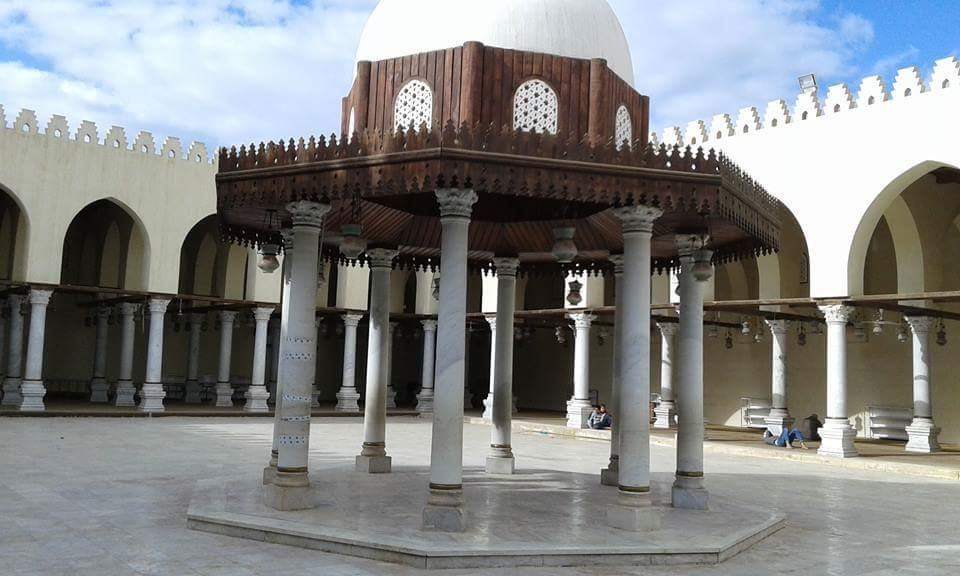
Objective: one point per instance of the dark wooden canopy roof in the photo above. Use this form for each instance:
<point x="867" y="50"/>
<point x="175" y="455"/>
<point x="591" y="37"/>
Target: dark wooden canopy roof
<point x="527" y="183"/>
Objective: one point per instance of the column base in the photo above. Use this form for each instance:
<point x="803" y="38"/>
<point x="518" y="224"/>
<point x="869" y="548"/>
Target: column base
<point x="444" y="511"/>
<point x="289" y="491"/>
<point x="99" y="391"/>
<point x="373" y="459"/>
<point x="688" y="493"/>
<point x="778" y="420"/>
<point x="610" y="476"/>
<point x="666" y="414"/>
<point x="633" y="512"/>
<point x="256" y="399"/>
<point x="488" y="408"/>
<point x="425" y="401"/>
<point x="270" y="470"/>
<point x="125" y="393"/>
<point x="500" y="460"/>
<point x="578" y="412"/>
<point x="836" y="439"/>
<point x="32" y="393"/>
<point x="11" y="392"/>
<point x="224" y="395"/>
<point x="923" y="436"/>
<point x="348" y="400"/>
<point x="192" y="389"/>
<point x="151" y="397"/>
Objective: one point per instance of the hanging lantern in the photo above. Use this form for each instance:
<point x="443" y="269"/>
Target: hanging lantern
<point x="802" y="336"/>
<point x="942" y="334"/>
<point x="561" y="335"/>
<point x="352" y="245"/>
<point x="758" y="337"/>
<point x="745" y="327"/>
<point x="859" y="333"/>
<point x="728" y="341"/>
<point x="878" y="323"/>
<point x="518" y="333"/>
<point x="574" y="297"/>
<point x="818" y="328"/>
<point x="602" y="335"/>
<point x="436" y="288"/>
<point x="564" y="250"/>
<point x="269" y="263"/>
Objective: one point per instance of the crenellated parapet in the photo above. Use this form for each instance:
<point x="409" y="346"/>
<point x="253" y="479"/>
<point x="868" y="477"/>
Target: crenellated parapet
<point x="26" y="124"/>
<point x="809" y="106"/>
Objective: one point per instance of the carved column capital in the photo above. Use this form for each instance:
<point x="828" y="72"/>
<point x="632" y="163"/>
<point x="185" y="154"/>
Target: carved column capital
<point x="617" y="261"/>
<point x="456" y="202"/>
<point x="778" y="327"/>
<point x="638" y="219"/>
<point x="227" y="316"/>
<point x="40" y="297"/>
<point x="158" y="305"/>
<point x="380" y="258"/>
<point x="920" y="325"/>
<point x="668" y="329"/>
<point x="128" y="308"/>
<point x="429" y="325"/>
<point x="352" y="320"/>
<point x="506" y="266"/>
<point x="262" y="314"/>
<point x="837" y="313"/>
<point x="582" y="320"/>
<point x="305" y="213"/>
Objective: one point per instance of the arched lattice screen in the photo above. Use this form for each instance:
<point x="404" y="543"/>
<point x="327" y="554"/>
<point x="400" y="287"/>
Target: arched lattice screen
<point x="624" y="128"/>
<point x="535" y="107"/>
<point x="414" y="106"/>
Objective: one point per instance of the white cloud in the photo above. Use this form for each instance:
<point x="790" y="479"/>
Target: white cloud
<point x="702" y="57"/>
<point x="231" y="71"/>
<point x="888" y="65"/>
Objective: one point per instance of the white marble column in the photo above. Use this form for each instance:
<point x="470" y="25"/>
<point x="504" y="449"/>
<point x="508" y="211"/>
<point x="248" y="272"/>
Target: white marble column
<point x="488" y="401"/>
<point x="779" y="417"/>
<point x="11" y="383"/>
<point x="837" y="435"/>
<point x="3" y="344"/>
<point x="425" y="398"/>
<point x="32" y="389"/>
<point x="578" y="406"/>
<point x="98" y="384"/>
<point x="633" y="510"/>
<point x="151" y="393"/>
<point x="270" y="470"/>
<point x="666" y="412"/>
<point x="224" y="387"/>
<point x="373" y="457"/>
<point x="688" y="490"/>
<point x="391" y="398"/>
<point x="192" y="386"/>
<point x="501" y="460"/>
<point x="125" y="388"/>
<point x="274" y="357"/>
<point x="257" y="395"/>
<point x="290" y="488"/>
<point x="445" y="505"/>
<point x="609" y="476"/>
<point x="922" y="434"/>
<point x="347" y="396"/>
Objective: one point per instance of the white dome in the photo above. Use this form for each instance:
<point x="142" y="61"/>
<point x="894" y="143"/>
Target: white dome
<point x="571" y="28"/>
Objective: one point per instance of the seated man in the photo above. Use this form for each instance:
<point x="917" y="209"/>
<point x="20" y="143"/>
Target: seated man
<point x="599" y="419"/>
<point x="785" y="439"/>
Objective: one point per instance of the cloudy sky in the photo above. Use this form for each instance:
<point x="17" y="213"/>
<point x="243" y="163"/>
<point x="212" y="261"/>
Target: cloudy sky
<point x="232" y="71"/>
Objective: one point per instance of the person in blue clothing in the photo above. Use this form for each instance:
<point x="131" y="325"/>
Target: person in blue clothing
<point x="785" y="439"/>
<point x="600" y="419"/>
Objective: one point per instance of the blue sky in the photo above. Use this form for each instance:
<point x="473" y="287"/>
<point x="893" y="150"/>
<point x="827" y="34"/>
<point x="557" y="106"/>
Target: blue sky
<point x="232" y="71"/>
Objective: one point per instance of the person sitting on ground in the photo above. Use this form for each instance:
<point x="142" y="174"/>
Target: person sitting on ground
<point x="599" y="419"/>
<point x="810" y="427"/>
<point x="785" y="439"/>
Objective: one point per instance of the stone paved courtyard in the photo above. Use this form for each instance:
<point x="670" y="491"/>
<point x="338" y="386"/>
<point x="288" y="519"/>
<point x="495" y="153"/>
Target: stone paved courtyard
<point x="109" y="497"/>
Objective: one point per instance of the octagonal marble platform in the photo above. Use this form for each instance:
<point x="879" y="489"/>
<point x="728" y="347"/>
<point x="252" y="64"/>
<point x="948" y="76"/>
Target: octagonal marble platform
<point x="534" y="518"/>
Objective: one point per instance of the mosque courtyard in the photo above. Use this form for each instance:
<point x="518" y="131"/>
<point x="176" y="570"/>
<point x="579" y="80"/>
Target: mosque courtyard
<point x="111" y="495"/>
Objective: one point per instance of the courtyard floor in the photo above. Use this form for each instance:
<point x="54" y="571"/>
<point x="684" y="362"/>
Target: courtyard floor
<point x="109" y="496"/>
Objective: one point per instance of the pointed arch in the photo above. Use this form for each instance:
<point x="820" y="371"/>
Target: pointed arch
<point x="14" y="233"/>
<point x="106" y="245"/>
<point x="210" y="267"/>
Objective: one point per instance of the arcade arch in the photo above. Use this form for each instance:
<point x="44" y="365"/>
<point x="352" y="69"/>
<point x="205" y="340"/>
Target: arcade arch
<point x="106" y="245"/>
<point x="13" y="237"/>
<point x="210" y="267"/>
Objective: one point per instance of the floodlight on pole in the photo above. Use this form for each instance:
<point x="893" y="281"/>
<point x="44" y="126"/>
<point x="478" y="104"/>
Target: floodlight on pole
<point x="808" y="83"/>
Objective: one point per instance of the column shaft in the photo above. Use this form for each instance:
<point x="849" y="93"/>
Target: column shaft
<point x="779" y="417"/>
<point x="501" y="460"/>
<point x="32" y="388"/>
<point x="348" y="397"/>
<point x="579" y="407"/>
<point x="125" y="388"/>
<point x="444" y="510"/>
<point x="257" y="395"/>
<point x="12" y="381"/>
<point x="837" y="434"/>
<point x="610" y="476"/>
<point x="151" y="393"/>
<point x="270" y="470"/>
<point x="224" y="387"/>
<point x="98" y="384"/>
<point x="922" y="433"/>
<point x="488" y="401"/>
<point x="373" y="457"/>
<point x="633" y="510"/>
<point x="425" y="398"/>
<point x="290" y="489"/>
<point x="666" y="412"/>
<point x="193" y="361"/>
